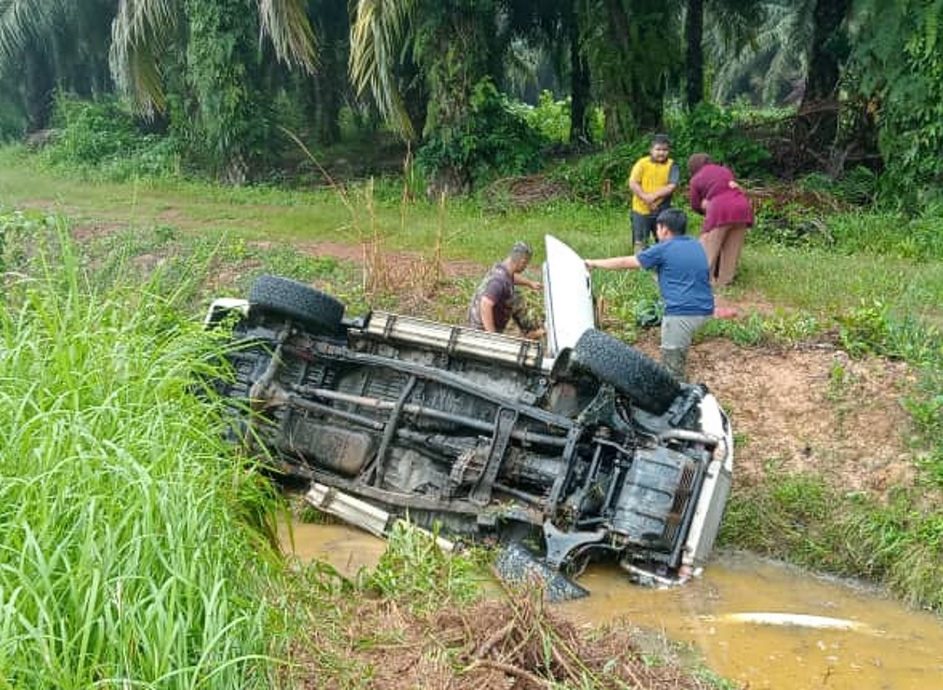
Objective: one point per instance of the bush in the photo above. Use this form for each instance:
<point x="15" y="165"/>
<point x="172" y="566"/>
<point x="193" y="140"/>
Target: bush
<point x="708" y="129"/>
<point x="802" y="221"/>
<point x="719" y="133"/>
<point x="494" y="141"/>
<point x="857" y="186"/>
<point x="101" y="138"/>
<point x="603" y="176"/>
<point x="549" y="117"/>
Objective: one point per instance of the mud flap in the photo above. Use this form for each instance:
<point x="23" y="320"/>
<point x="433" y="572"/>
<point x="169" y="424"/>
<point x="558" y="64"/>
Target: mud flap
<point x="517" y="565"/>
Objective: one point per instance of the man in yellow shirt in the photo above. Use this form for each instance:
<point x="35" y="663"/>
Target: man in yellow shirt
<point x="652" y="181"/>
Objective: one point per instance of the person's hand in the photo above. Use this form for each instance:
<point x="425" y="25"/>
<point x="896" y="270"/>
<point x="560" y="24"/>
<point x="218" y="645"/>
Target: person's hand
<point x="733" y="184"/>
<point x="534" y="285"/>
<point x="535" y="334"/>
<point x="589" y="264"/>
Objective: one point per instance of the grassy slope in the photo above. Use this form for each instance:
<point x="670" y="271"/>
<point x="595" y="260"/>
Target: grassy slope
<point x="124" y="519"/>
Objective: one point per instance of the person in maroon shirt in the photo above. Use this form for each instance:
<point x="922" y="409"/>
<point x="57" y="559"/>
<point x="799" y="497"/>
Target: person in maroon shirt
<point x="727" y="214"/>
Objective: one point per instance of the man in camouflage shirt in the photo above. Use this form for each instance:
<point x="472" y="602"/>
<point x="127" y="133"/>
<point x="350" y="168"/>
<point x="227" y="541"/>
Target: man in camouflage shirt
<point x="496" y="301"/>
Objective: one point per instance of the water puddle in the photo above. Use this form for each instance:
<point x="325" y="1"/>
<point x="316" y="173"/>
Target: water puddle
<point x="346" y="548"/>
<point x="774" y="626"/>
<point x="763" y="624"/>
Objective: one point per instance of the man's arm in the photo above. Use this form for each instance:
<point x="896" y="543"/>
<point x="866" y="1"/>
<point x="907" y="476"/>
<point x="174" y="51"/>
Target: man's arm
<point x="662" y="192"/>
<point x="486" y="309"/>
<point x="635" y="183"/>
<point x="640" y="193"/>
<point x="615" y="262"/>
<point x="674" y="176"/>
<point x="527" y="282"/>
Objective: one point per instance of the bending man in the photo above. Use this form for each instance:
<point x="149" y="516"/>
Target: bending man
<point x="496" y="301"/>
<point x="684" y="283"/>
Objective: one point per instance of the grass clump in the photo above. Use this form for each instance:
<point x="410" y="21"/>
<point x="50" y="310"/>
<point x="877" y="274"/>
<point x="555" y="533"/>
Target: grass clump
<point x="416" y="570"/>
<point x="800" y="518"/>
<point x="133" y="549"/>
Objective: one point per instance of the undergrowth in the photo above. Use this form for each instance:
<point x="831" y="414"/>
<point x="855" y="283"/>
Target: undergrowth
<point x="134" y="547"/>
<point x="101" y="140"/>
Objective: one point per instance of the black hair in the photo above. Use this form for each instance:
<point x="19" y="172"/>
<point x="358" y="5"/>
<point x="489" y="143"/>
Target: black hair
<point x="661" y="139"/>
<point x="674" y="219"/>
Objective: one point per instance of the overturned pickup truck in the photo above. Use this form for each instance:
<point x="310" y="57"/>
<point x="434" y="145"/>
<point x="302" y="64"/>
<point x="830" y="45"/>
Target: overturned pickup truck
<point x="585" y="442"/>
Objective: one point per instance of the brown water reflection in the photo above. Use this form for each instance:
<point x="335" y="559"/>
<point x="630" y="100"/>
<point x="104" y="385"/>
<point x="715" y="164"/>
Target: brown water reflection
<point x="346" y="548"/>
<point x="890" y="647"/>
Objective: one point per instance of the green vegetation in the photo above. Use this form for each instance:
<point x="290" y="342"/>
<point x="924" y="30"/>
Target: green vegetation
<point x="844" y="85"/>
<point x="135" y="545"/>
<point x="800" y="518"/>
<point x="877" y="298"/>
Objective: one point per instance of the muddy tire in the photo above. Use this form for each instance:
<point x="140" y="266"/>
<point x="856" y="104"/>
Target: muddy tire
<point x="316" y="310"/>
<point x="631" y="372"/>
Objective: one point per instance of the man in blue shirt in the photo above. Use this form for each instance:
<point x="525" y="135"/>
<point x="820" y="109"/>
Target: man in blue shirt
<point x="684" y="282"/>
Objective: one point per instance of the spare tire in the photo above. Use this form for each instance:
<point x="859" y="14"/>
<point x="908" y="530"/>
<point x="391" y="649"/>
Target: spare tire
<point x="630" y="371"/>
<point x="315" y="310"/>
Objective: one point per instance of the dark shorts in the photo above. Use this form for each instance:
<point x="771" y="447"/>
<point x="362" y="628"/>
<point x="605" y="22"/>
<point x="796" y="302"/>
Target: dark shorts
<point x="643" y="227"/>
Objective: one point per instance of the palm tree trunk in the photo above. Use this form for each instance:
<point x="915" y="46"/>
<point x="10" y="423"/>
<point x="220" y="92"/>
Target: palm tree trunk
<point x="694" y="60"/>
<point x="38" y="87"/>
<point x="829" y="49"/>
<point x="579" y="83"/>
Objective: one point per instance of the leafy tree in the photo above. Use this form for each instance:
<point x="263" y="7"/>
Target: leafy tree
<point x="632" y="50"/>
<point x="897" y="66"/>
<point x="454" y="45"/>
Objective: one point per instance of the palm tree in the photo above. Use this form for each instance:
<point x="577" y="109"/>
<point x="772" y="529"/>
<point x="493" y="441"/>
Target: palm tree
<point x="143" y="29"/>
<point x="774" y="60"/>
<point x="379" y="34"/>
<point x="209" y="50"/>
<point x="734" y="23"/>
<point x="46" y="43"/>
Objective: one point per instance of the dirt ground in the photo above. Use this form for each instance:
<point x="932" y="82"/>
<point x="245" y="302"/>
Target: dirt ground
<point x="809" y="409"/>
<point x="813" y="409"/>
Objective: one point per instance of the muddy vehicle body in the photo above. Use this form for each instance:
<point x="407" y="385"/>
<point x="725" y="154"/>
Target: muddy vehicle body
<point x="585" y="442"/>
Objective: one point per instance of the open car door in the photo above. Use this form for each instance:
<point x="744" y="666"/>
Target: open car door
<point x="568" y="297"/>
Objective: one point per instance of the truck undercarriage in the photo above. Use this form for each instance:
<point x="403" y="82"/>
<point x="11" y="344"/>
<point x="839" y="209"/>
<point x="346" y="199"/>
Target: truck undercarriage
<point x="598" y="451"/>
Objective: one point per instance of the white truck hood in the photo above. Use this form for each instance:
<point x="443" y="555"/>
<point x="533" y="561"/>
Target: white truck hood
<point x="568" y="297"/>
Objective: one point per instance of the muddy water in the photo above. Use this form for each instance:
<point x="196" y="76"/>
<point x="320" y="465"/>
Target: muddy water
<point x="346" y="548"/>
<point x="869" y="642"/>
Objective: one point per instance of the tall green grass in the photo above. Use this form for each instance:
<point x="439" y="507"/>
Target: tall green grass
<point x="132" y="547"/>
<point x="799" y="517"/>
